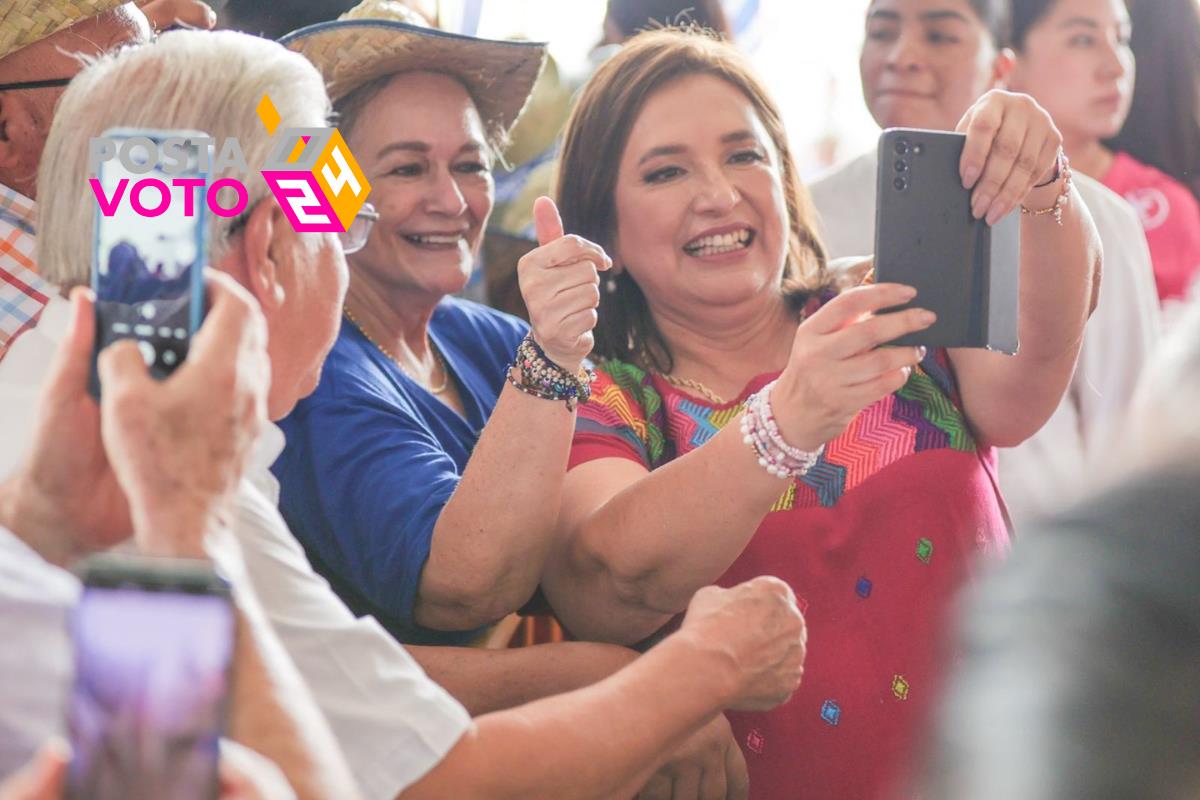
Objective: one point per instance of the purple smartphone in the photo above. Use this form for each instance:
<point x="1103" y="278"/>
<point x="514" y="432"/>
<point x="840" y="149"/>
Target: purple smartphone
<point x="154" y="643"/>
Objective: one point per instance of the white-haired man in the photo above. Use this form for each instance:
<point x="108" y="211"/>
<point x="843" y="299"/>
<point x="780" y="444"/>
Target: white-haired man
<point x="399" y="730"/>
<point x="42" y="46"/>
<point x="131" y="464"/>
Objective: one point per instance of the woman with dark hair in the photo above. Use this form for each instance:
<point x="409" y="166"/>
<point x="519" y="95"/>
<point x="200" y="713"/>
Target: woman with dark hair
<point x="1074" y="56"/>
<point x="746" y="420"/>
<point x="627" y="18"/>
<point x="1163" y="128"/>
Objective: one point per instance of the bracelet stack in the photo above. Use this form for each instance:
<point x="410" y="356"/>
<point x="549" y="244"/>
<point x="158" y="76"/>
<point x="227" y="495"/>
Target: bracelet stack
<point x="535" y="374"/>
<point x="760" y="431"/>
<point x="1062" y="171"/>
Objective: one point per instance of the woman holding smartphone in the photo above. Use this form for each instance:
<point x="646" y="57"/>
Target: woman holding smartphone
<point x="746" y="420"/>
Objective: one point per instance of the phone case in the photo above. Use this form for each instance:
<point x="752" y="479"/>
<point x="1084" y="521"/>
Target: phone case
<point x="963" y="269"/>
<point x="135" y="298"/>
<point x="154" y="574"/>
<point x="154" y="642"/>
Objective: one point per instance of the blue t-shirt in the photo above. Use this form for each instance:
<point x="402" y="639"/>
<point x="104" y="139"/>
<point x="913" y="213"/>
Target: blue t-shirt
<point x="372" y="457"/>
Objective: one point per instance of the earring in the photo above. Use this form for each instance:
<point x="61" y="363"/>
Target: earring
<point x="610" y="284"/>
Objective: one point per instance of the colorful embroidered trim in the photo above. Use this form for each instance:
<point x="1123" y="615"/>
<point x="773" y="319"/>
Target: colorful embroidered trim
<point x="921" y="416"/>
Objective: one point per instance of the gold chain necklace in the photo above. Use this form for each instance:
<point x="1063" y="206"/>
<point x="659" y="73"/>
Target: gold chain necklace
<point x="695" y="386"/>
<point x="441" y="387"/>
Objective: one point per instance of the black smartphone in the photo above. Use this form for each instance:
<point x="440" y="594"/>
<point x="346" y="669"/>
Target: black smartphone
<point x="963" y="269"/>
<point x="154" y="644"/>
<point x="149" y="245"/>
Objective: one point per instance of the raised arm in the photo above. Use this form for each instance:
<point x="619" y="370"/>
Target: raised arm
<point x="630" y="552"/>
<point x="491" y="539"/>
<point x="1012" y="146"/>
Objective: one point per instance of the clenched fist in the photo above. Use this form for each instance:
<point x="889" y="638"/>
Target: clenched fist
<point x="758" y="630"/>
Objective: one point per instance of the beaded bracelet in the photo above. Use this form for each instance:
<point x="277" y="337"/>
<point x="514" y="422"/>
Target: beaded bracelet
<point x="1063" y="172"/>
<point x="541" y="377"/>
<point x="760" y="431"/>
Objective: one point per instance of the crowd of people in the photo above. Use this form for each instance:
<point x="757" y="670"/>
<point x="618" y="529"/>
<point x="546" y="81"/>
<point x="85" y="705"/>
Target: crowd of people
<point x="790" y="560"/>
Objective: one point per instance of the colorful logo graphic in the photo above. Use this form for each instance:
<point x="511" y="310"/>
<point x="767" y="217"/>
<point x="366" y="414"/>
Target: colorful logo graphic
<point x="311" y="173"/>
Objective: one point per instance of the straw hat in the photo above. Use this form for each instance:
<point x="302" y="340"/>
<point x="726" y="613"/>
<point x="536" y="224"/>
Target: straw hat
<point x="376" y="38"/>
<point x="24" y="22"/>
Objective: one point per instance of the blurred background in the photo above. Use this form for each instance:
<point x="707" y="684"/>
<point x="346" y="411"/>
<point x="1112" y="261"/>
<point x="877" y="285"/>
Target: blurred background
<point x="812" y="70"/>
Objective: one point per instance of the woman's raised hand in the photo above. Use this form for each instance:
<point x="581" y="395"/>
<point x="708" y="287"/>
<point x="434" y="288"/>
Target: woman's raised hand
<point x="1012" y="145"/>
<point x="560" y="282"/>
<point x="837" y="367"/>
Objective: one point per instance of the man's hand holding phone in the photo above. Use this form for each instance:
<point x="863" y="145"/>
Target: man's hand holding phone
<point x="167" y="450"/>
<point x="178" y="447"/>
<point x="65" y="501"/>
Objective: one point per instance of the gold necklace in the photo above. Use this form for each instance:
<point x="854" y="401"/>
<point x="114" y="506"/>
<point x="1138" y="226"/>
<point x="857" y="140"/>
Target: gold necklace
<point x="432" y="348"/>
<point x="696" y="386"/>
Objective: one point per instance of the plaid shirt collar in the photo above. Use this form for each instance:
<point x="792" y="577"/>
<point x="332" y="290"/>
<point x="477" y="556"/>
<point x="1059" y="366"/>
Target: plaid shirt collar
<point x="23" y="294"/>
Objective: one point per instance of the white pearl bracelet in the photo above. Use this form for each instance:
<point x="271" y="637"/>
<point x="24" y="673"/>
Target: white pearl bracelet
<point x="760" y="431"/>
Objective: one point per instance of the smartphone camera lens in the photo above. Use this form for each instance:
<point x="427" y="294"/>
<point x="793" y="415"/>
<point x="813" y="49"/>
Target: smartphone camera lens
<point x="900" y="183"/>
<point x="901" y="165"/>
<point x="901" y="146"/>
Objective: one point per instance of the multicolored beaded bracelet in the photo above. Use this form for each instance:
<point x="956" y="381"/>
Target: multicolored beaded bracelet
<point x="541" y="377"/>
<point x="760" y="431"/>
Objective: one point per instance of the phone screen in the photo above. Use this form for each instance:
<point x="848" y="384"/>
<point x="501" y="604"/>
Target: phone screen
<point x="147" y="710"/>
<point x="147" y="270"/>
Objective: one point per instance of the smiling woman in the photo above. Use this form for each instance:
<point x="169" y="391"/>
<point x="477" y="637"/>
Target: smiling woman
<point x="413" y="438"/>
<point x="431" y="182"/>
<point x="748" y="144"/>
<point x="746" y="420"/>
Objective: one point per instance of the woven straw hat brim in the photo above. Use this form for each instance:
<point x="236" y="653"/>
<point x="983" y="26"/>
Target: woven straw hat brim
<point x="499" y="75"/>
<point x="24" y="22"/>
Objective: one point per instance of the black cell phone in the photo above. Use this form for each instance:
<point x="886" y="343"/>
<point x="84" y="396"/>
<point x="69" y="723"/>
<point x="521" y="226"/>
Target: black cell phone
<point x="147" y="270"/>
<point x="963" y="269"/>
<point x="154" y="643"/>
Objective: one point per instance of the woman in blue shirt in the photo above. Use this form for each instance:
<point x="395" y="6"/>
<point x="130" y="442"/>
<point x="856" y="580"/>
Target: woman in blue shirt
<point x="422" y="484"/>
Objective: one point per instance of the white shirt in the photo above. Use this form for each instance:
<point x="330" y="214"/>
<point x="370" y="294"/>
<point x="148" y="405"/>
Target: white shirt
<point x="394" y="724"/>
<point x="36" y="666"/>
<point x="1056" y="465"/>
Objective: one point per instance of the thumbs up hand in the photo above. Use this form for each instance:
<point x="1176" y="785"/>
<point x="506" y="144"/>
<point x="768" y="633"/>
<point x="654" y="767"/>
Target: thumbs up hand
<point x="560" y="282"/>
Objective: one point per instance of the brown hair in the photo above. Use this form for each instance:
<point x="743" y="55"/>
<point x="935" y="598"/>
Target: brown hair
<point x="634" y="16"/>
<point x="1163" y="126"/>
<point x="595" y="140"/>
